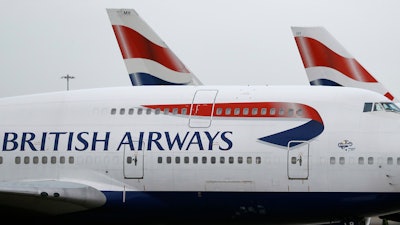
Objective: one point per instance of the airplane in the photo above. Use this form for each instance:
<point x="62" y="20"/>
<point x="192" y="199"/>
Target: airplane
<point x="173" y="154"/>
<point x="147" y="57"/>
<point x="328" y="63"/>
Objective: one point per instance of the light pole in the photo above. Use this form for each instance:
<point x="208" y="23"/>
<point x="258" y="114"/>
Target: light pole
<point x="67" y="77"/>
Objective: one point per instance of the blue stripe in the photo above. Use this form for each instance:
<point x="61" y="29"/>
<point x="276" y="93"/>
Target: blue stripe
<point x="138" y="79"/>
<point x="324" y="82"/>
<point x="303" y="132"/>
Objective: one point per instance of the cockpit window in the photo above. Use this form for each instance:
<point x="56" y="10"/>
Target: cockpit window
<point x="390" y="107"/>
<point x="377" y="106"/>
<point x="367" y="107"/>
<point x="381" y="106"/>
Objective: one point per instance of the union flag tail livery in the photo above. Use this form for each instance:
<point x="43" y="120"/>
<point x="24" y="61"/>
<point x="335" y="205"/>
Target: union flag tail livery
<point x="148" y="59"/>
<point x="328" y="63"/>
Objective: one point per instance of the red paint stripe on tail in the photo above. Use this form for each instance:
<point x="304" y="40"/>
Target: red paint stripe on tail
<point x="133" y="45"/>
<point x="314" y="53"/>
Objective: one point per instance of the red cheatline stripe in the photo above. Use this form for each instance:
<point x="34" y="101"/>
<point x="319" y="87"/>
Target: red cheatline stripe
<point x="133" y="45"/>
<point x="282" y="110"/>
<point x="314" y="53"/>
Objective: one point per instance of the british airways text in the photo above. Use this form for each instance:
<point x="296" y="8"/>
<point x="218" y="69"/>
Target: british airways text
<point x="82" y="141"/>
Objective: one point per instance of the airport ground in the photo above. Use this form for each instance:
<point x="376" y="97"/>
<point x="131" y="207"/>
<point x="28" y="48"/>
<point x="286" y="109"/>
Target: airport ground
<point x="378" y="221"/>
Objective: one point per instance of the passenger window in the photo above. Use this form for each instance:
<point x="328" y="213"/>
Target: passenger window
<point x="184" y="111"/>
<point x="231" y="159"/>
<point x="361" y="160"/>
<point x="254" y="111"/>
<point x="175" y="111"/>
<point x="398" y="160"/>
<point x="139" y="111"/>
<point x="169" y="160"/>
<point x="258" y="160"/>
<point x="219" y="111"/>
<point x="35" y="160"/>
<point x="249" y="160"/>
<point x="245" y="111"/>
<point x="240" y="160"/>
<point x="263" y="111"/>
<point x="17" y="160"/>
<point x="186" y="159"/>
<point x="390" y="161"/>
<point x="130" y="112"/>
<point x="281" y="111"/>
<point x="122" y="111"/>
<point x="195" y="160"/>
<point x="166" y="110"/>
<point x="113" y="111"/>
<point x="159" y="160"/>
<point x="62" y="159"/>
<point x="228" y="111"/>
<point x="370" y="160"/>
<point x="341" y="160"/>
<point x="332" y="160"/>
<point x="71" y="160"/>
<point x="293" y="160"/>
<point x="204" y="159"/>
<point x="26" y="160"/>
<point x="272" y="111"/>
<point x="148" y="111"/>
<point x="213" y="160"/>
<point x="290" y="112"/>
<point x="44" y="160"/>
<point x="222" y="160"/>
<point x="177" y="159"/>
<point x="236" y="111"/>
<point x="158" y="111"/>
<point x="299" y="112"/>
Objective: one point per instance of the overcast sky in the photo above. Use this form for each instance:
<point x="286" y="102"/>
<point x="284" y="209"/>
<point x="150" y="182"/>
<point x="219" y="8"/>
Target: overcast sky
<point x="223" y="42"/>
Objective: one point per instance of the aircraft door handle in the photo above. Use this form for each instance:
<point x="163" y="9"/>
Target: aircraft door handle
<point x="300" y="160"/>
<point x="135" y="160"/>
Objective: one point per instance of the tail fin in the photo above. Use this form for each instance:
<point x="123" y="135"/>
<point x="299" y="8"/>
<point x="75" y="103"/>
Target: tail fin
<point x="147" y="58"/>
<point x="328" y="63"/>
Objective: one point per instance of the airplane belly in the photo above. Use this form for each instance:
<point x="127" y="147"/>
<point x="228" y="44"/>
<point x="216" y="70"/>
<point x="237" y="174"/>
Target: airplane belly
<point x="245" y="207"/>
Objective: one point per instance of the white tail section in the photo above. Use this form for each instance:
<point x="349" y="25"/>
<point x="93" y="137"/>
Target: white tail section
<point x="328" y="63"/>
<point x="148" y="59"/>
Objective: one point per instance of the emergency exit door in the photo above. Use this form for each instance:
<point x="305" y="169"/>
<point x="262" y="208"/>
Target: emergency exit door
<point x="133" y="163"/>
<point x="298" y="160"/>
<point x="201" y="110"/>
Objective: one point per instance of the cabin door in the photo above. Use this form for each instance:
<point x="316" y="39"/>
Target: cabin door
<point x="201" y="110"/>
<point x="133" y="162"/>
<point x="298" y="160"/>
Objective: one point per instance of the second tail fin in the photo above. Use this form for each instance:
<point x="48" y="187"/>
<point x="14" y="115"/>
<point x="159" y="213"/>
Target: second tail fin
<point x="328" y="63"/>
<point x="147" y="58"/>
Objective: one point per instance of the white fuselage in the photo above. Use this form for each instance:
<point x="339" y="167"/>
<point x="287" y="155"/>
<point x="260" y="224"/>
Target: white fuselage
<point x="124" y="140"/>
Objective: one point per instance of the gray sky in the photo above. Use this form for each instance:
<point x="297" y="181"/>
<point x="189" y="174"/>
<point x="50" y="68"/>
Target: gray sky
<point x="221" y="41"/>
